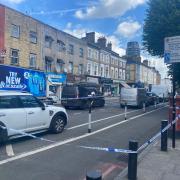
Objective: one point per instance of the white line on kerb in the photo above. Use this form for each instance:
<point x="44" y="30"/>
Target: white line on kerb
<point x="9" y="150"/>
<point x="26" y="154"/>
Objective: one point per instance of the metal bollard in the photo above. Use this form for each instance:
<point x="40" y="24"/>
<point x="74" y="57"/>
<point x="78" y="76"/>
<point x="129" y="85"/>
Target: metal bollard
<point x="89" y="120"/>
<point x="132" y="161"/>
<point x="94" y="175"/>
<point x="164" y="135"/>
<point x="144" y="107"/>
<point x="125" y="111"/>
<point x="155" y="104"/>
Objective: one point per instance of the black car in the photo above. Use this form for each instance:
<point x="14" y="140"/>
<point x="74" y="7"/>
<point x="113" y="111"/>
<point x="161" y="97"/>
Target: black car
<point x="79" y="95"/>
<point x="152" y="98"/>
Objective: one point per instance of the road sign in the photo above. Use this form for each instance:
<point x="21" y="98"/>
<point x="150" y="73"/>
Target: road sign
<point x="172" y="49"/>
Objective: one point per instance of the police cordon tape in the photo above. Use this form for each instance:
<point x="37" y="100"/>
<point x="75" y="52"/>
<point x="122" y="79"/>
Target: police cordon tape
<point x="27" y="134"/>
<point x="110" y="149"/>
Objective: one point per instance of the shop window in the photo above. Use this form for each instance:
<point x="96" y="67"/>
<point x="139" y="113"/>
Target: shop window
<point x="33" y="37"/>
<point x="32" y="60"/>
<point x="14" y="56"/>
<point x="15" y="31"/>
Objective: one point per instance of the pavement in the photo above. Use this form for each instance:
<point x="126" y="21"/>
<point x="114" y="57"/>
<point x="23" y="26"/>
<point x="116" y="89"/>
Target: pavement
<point x="154" y="164"/>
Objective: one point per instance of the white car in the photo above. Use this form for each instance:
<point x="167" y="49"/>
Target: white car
<point x="25" y="113"/>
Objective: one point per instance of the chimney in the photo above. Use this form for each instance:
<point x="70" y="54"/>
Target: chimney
<point x="102" y="42"/>
<point x="109" y="46"/>
<point x="90" y="37"/>
<point x="145" y="62"/>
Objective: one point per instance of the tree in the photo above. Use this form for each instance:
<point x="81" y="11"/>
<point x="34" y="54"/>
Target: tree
<point x="162" y="20"/>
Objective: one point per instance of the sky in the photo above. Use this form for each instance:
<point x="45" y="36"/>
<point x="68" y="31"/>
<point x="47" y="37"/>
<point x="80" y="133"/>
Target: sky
<point x="119" y="21"/>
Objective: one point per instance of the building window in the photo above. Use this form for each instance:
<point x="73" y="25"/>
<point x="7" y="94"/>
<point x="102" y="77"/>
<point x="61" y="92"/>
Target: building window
<point x="116" y="74"/>
<point x="60" y="65"/>
<point x="81" y="52"/>
<point x="101" y="71"/>
<point x="33" y="37"/>
<point x="124" y="65"/>
<point x="48" y="64"/>
<point x="89" y="53"/>
<point x="15" y="31"/>
<point x="71" y="49"/>
<point x="14" y="56"/>
<point x="120" y="73"/>
<point x="112" y="73"/>
<point x="61" y="46"/>
<point x="48" y="41"/>
<point x="89" y="68"/>
<point x="32" y="60"/>
<point x="71" y="67"/>
<point x="80" y="69"/>
<point x="120" y="64"/>
<point x="95" y="70"/>
<point x="107" y="72"/>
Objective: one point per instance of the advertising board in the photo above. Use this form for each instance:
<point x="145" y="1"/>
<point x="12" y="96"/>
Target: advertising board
<point x="20" y="79"/>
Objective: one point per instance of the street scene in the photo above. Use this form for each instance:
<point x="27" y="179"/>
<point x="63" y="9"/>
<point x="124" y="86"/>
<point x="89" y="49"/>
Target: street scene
<point x="89" y="90"/>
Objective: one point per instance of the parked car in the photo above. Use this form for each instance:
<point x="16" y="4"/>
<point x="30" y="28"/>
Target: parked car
<point x="24" y="112"/>
<point x="79" y="95"/>
<point x="152" y="98"/>
<point x="133" y="97"/>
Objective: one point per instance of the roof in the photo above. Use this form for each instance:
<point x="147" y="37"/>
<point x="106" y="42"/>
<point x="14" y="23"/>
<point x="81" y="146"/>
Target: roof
<point x="6" y="92"/>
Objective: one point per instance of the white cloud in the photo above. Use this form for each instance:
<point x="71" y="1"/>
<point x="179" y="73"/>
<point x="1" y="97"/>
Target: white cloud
<point x="128" y="29"/>
<point x="156" y="62"/>
<point x="108" y="8"/>
<point x="11" y="1"/>
<point x="81" y="32"/>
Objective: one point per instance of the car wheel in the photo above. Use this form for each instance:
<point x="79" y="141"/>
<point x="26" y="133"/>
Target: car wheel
<point x="57" y="124"/>
<point x="3" y="134"/>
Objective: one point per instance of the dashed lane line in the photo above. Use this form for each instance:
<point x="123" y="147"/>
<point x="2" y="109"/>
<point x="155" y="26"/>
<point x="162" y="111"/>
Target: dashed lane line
<point x="26" y="154"/>
<point x="9" y="150"/>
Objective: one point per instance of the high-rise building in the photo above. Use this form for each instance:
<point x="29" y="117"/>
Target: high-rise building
<point x="133" y="49"/>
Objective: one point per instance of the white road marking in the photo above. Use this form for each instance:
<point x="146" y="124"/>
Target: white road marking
<point x="77" y="113"/>
<point x="9" y="150"/>
<point x="26" y="154"/>
<point x="99" y="120"/>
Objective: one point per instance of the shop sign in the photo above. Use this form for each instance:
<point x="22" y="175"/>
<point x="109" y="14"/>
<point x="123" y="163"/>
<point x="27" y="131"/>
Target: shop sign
<point x="56" y="78"/>
<point x="19" y="79"/>
<point x="105" y="80"/>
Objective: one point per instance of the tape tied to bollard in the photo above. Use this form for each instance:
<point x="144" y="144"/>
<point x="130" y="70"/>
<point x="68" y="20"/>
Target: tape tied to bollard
<point x="26" y="134"/>
<point x="110" y="149"/>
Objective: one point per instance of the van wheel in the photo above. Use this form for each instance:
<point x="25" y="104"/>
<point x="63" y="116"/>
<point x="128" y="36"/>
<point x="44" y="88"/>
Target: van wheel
<point x="57" y="124"/>
<point x="3" y="134"/>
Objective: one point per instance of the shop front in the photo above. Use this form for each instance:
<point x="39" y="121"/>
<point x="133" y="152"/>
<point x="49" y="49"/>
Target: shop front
<point x="106" y="85"/>
<point x="54" y="85"/>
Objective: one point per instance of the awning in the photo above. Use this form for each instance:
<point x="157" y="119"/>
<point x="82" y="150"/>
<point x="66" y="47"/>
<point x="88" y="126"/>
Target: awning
<point x="125" y="85"/>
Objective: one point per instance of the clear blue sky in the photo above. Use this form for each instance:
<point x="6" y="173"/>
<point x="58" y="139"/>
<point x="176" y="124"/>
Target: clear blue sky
<point x="119" y="20"/>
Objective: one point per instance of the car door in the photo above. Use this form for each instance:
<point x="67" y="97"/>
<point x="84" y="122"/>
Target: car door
<point x="37" y="118"/>
<point x="12" y="113"/>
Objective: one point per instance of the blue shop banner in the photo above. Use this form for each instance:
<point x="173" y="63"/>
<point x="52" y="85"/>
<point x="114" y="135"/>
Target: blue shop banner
<point x="56" y="78"/>
<point x="19" y="79"/>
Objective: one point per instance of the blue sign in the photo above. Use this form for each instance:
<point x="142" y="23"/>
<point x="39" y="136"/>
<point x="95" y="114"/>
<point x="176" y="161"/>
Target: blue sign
<point x="167" y="58"/>
<point x="56" y="78"/>
<point x="19" y="79"/>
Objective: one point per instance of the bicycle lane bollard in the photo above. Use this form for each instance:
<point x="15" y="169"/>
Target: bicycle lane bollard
<point x="144" y="107"/>
<point x="89" y="120"/>
<point x="125" y="111"/>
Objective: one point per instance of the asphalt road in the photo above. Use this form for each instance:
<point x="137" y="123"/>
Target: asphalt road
<point x="65" y="159"/>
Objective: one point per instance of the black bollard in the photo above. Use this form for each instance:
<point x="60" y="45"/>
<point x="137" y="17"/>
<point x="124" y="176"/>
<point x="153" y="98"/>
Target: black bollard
<point x="132" y="161"/>
<point x="94" y="175"/>
<point x="164" y="135"/>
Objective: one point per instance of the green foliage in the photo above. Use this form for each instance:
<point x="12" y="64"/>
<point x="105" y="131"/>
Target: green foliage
<point x="162" y="20"/>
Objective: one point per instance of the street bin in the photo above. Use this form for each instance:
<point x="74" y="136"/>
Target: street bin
<point x="177" y="102"/>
